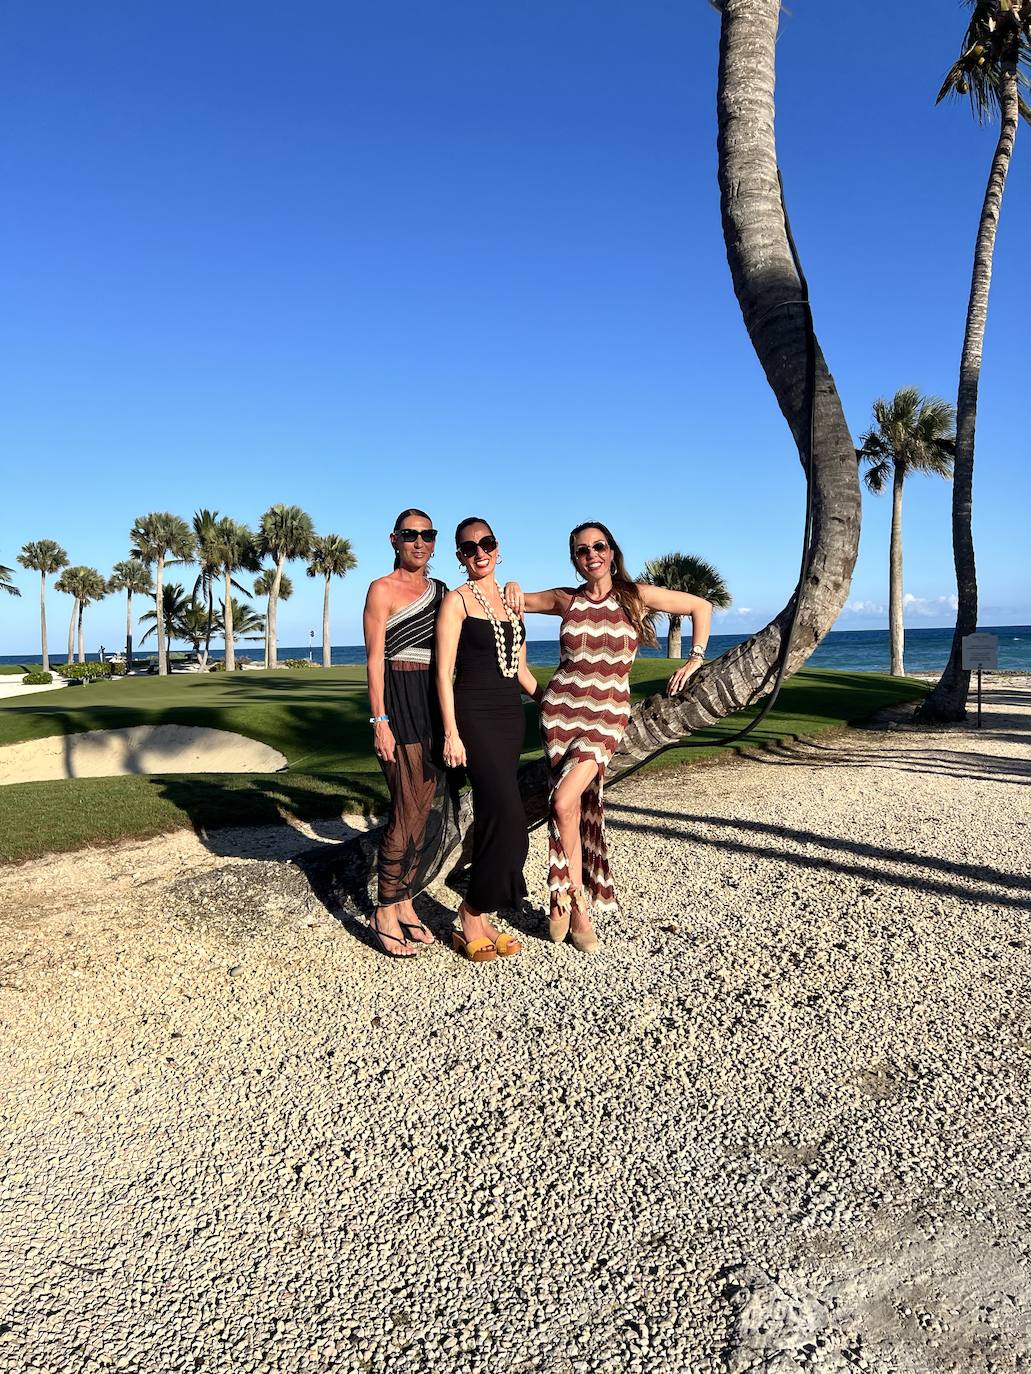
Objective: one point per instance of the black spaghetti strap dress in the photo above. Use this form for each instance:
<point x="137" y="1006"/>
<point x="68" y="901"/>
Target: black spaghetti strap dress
<point x="489" y="716"/>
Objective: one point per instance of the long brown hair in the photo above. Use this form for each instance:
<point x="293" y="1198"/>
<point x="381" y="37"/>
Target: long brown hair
<point x="399" y="524"/>
<point x="624" y="589"/>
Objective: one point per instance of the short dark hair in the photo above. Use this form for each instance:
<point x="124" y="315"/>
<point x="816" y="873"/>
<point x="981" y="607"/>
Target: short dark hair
<point x="469" y="520"/>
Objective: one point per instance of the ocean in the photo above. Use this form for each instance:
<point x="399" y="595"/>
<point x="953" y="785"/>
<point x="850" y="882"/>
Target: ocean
<point x="855" y="651"/>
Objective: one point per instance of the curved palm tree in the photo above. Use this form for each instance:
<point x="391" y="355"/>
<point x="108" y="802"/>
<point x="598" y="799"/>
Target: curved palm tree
<point x="991" y="69"/>
<point x="683" y="572"/>
<point x="285" y="532"/>
<point x="330" y="556"/>
<point x="912" y="433"/>
<point x="233" y="549"/>
<point x="132" y="577"/>
<point x="769" y="290"/>
<point x="154" y="537"/>
<point x="166" y="616"/>
<point x="44" y="556"/>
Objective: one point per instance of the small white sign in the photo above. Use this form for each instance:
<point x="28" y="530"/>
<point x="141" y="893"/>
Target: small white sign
<point x="980" y="651"/>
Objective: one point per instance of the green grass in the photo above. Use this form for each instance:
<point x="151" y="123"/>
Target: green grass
<point x="319" y="721"/>
<point x="9" y="669"/>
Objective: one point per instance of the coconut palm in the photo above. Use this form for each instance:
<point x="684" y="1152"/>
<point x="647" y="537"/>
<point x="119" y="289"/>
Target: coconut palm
<point x="911" y="433"/>
<point x="43" y="556"/>
<point x="166" y="616"/>
<point x="683" y="572"/>
<point x="6" y="585"/>
<point x="154" y="537"/>
<point x="330" y="556"/>
<point x="770" y="291"/>
<point x="193" y="625"/>
<point x="232" y="549"/>
<point x="285" y="532"/>
<point x="245" y="623"/>
<point x="132" y="577"/>
<point x="84" y="585"/>
<point x="993" y="66"/>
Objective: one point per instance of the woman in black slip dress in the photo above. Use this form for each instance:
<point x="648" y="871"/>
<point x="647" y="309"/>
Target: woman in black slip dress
<point x="400" y="620"/>
<point x="481" y="667"/>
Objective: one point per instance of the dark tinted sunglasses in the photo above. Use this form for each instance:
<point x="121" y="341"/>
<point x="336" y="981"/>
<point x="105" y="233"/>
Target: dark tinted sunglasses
<point x="599" y="546"/>
<point x="468" y="547"/>
<point x="410" y="536"/>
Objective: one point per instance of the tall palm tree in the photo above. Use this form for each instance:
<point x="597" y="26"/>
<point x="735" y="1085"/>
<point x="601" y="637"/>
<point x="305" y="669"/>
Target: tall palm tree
<point x="43" y="556"/>
<point x="166" y="617"/>
<point x="204" y="524"/>
<point x="330" y="556"/>
<point x="911" y="433"/>
<point x="769" y="290"/>
<point x="285" y="532"/>
<point x="133" y="578"/>
<point x="92" y="586"/>
<point x="263" y="585"/>
<point x="232" y="549"/>
<point x="68" y="583"/>
<point x="6" y="585"/>
<point x="154" y="537"/>
<point x="993" y="65"/>
<point x="683" y="572"/>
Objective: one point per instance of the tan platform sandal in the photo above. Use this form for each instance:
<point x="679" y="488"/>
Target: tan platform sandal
<point x="558" y="917"/>
<point x="586" y="942"/>
<point x="507" y="945"/>
<point x="478" y="951"/>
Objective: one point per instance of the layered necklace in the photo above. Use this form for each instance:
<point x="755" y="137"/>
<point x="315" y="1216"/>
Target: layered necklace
<point x="508" y="662"/>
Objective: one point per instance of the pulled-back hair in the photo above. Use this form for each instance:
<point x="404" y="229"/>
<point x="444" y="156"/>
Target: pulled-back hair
<point x="624" y="589"/>
<point x="399" y="524"/>
<point x="470" y="520"/>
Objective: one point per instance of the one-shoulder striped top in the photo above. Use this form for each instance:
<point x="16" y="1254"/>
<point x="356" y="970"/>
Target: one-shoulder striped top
<point x="409" y="637"/>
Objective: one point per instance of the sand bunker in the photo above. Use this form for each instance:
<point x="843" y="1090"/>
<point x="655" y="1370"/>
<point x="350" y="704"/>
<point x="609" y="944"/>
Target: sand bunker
<point x="137" y="749"/>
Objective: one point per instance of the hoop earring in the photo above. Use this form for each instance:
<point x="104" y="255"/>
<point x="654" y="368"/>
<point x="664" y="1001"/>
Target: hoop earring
<point x="498" y="560"/>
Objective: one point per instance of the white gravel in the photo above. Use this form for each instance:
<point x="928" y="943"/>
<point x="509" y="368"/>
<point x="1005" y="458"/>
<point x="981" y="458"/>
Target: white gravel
<point x="779" y="1123"/>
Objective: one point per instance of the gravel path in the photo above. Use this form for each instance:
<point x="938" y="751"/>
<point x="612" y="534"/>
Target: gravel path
<point x="779" y="1123"/>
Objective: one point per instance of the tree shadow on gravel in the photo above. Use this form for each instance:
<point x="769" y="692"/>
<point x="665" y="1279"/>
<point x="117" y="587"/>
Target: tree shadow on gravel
<point x="945" y="763"/>
<point x="877" y="871"/>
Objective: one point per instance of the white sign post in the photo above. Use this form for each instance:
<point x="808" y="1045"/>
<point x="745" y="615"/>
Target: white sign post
<point x="980" y="651"/>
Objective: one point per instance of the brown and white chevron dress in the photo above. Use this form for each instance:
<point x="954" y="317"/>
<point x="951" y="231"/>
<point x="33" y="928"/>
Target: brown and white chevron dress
<point x="583" y="715"/>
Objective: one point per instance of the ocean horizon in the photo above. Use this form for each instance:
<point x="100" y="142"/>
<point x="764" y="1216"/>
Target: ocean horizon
<point x="857" y="651"/>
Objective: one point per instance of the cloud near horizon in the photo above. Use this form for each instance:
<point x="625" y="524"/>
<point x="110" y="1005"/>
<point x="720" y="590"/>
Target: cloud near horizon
<point x="923" y="605"/>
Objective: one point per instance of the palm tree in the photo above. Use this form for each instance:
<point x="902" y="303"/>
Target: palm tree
<point x="205" y="523"/>
<point x="43" y="556"/>
<point x="68" y="583"/>
<point x="683" y="572"/>
<point x="771" y="292"/>
<point x="154" y="537"/>
<point x="285" y="532"/>
<point x="84" y="585"/>
<point x="246" y="621"/>
<point x="193" y="624"/>
<point x="330" y="556"/>
<point x="992" y="67"/>
<point x="165" y="619"/>
<point x="263" y="585"/>
<point x="133" y="578"/>
<point x="912" y="433"/>
<point x="232" y="549"/>
<point x="6" y="585"/>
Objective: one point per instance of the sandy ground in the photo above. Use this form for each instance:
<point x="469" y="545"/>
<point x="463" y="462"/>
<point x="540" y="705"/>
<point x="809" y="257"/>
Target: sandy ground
<point x="12" y="686"/>
<point x="137" y="749"/>
<point x="778" y="1123"/>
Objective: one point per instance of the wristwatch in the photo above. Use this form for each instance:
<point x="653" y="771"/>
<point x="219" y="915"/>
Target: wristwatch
<point x="697" y="651"/>
<point x="375" y="720"/>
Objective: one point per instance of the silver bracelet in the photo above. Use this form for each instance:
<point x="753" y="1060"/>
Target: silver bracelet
<point x="697" y="651"/>
<point x="375" y="720"/>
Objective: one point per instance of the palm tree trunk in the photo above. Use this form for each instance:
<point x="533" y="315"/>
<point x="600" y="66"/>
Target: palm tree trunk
<point x="82" y="638"/>
<point x="71" y="629"/>
<point x="227" y="620"/>
<point x="271" y="656"/>
<point x="327" y="651"/>
<point x="211" y="617"/>
<point x="673" y="649"/>
<point x="947" y="700"/>
<point x="159" y="612"/>
<point x="896" y="633"/>
<point x="43" y="620"/>
<point x="128" y="631"/>
<point x="765" y="280"/>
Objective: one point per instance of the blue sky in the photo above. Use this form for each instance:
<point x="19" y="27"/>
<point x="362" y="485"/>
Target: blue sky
<point x="469" y="257"/>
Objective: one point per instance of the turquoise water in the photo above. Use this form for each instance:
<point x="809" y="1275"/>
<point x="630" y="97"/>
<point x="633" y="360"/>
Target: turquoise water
<point x="856" y="651"/>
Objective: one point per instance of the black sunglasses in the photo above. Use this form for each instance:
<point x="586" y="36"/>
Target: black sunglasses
<point x="410" y="536"/>
<point x="599" y="546"/>
<point x="468" y="547"/>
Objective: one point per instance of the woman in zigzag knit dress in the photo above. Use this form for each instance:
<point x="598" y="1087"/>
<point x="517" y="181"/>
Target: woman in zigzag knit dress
<point x="585" y="710"/>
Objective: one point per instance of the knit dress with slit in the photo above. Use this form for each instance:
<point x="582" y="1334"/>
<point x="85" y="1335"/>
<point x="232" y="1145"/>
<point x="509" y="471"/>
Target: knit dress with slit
<point x="489" y="716"/>
<point x="420" y="823"/>
<point x="584" y="713"/>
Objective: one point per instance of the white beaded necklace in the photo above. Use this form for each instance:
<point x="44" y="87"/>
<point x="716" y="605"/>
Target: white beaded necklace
<point x="508" y="664"/>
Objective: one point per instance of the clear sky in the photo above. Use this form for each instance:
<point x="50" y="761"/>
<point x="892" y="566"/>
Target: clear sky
<point x="469" y="257"/>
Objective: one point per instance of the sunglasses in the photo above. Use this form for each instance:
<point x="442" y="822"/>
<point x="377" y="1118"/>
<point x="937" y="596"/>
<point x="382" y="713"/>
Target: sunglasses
<point x="582" y="550"/>
<point x="468" y="547"/>
<point x="410" y="536"/>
